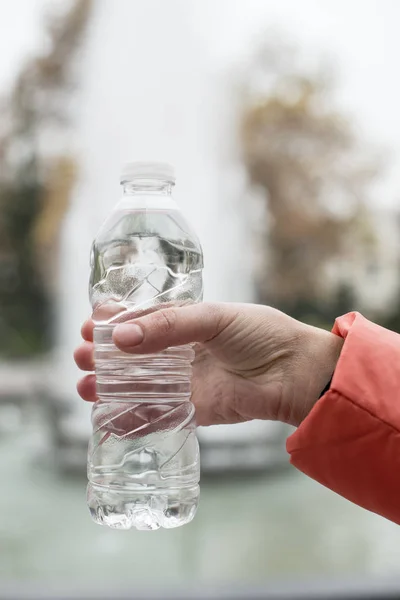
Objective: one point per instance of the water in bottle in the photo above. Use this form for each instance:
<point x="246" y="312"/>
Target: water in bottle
<point x="143" y="458"/>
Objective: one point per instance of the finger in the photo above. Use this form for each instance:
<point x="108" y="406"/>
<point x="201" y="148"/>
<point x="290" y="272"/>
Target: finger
<point x="87" y="330"/>
<point x="87" y="388"/>
<point x="174" y="327"/>
<point x="108" y="311"/>
<point x="83" y="356"/>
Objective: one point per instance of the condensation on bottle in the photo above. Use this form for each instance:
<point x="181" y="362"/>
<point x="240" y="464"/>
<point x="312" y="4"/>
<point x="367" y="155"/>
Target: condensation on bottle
<point x="143" y="457"/>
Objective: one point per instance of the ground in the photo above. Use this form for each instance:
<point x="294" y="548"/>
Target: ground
<point x="248" y="530"/>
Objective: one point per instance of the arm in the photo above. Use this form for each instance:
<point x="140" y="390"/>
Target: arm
<point x="350" y="441"/>
<point x="253" y="362"/>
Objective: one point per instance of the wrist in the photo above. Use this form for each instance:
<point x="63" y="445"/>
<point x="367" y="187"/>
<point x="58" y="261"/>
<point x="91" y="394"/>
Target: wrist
<point x="321" y="352"/>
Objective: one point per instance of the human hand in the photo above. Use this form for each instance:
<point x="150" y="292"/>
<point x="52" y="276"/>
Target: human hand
<point x="251" y="361"/>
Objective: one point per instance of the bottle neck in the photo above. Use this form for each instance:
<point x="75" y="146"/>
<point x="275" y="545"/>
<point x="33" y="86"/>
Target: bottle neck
<point x="147" y="187"/>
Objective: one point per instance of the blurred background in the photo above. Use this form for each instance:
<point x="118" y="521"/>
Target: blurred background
<point x="282" y="122"/>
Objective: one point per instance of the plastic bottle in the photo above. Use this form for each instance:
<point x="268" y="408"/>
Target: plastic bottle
<point x="143" y="458"/>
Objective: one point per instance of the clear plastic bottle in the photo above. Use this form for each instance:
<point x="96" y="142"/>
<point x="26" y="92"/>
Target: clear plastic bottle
<point x="143" y="458"/>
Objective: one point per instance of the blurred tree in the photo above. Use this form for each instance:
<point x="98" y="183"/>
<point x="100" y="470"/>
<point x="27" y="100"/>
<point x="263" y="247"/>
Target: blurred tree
<point x="36" y="178"/>
<point x="305" y="158"/>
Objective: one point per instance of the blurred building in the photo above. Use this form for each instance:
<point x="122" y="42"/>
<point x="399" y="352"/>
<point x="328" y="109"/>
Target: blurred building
<point x="369" y="272"/>
<point x="376" y="274"/>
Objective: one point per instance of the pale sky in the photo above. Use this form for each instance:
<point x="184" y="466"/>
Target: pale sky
<point x="361" y="37"/>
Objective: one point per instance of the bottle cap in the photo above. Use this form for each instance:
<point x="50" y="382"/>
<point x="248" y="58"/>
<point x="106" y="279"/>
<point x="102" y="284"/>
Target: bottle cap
<point x="147" y="170"/>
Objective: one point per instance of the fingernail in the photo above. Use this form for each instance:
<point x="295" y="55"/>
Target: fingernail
<point x="128" y="334"/>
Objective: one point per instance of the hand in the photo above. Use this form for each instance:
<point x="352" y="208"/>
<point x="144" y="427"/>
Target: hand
<point x="252" y="362"/>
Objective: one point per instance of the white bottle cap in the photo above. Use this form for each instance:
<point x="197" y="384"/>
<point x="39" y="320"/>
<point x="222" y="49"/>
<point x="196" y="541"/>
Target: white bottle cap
<point x="147" y="170"/>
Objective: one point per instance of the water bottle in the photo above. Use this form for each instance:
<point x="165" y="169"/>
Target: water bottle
<point x="143" y="457"/>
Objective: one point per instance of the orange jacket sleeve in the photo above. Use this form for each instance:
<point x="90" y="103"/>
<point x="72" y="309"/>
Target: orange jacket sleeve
<point x="350" y="441"/>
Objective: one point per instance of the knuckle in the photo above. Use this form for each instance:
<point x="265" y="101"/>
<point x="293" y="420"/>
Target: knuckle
<point x="222" y="319"/>
<point x="165" y="320"/>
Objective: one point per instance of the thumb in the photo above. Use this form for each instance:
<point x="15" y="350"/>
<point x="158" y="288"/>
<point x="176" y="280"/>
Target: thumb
<point x="174" y="326"/>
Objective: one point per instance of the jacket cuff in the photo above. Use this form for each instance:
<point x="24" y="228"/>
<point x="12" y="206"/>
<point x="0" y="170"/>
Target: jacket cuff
<point x="349" y="441"/>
